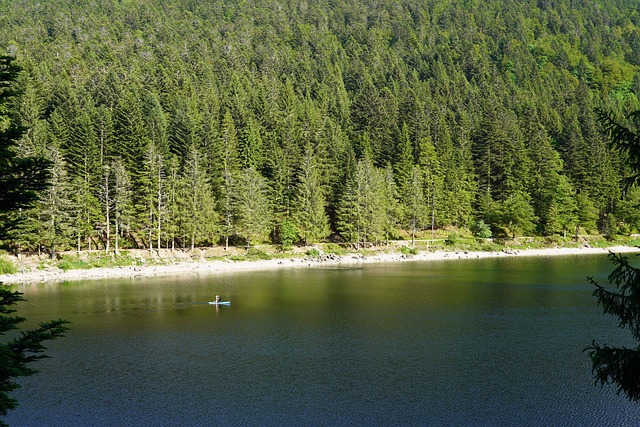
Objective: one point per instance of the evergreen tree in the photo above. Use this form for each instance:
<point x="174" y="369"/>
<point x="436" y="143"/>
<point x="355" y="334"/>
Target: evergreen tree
<point x="392" y="208"/>
<point x="403" y="164"/>
<point x="106" y="200"/>
<point x="621" y="366"/>
<point x="417" y="209"/>
<point x="587" y="213"/>
<point x="176" y="217"/>
<point x="616" y="365"/>
<point x="440" y="197"/>
<point x="250" y="146"/>
<point x="501" y="162"/>
<point x="311" y="218"/>
<point x="361" y="214"/>
<point x="562" y="213"/>
<point x="517" y="214"/>
<point x="389" y="75"/>
<point x="626" y="140"/>
<point x="280" y="188"/>
<point x="201" y="218"/>
<point x="122" y="200"/>
<point x="18" y="354"/>
<point x="628" y="209"/>
<point x="154" y="202"/>
<point x="253" y="211"/>
<point x="348" y="213"/>
<point x="227" y="176"/>
<point x="55" y="207"/>
<point x="21" y="178"/>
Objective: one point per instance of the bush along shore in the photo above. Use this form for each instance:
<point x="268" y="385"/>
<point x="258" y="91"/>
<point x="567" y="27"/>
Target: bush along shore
<point x="89" y="265"/>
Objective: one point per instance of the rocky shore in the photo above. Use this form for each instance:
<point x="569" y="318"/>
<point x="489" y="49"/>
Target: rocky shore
<point x="203" y="267"/>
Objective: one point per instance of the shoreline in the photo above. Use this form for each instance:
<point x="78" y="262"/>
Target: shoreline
<point x="204" y="267"/>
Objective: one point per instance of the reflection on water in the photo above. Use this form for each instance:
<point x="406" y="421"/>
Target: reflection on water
<point x="471" y="342"/>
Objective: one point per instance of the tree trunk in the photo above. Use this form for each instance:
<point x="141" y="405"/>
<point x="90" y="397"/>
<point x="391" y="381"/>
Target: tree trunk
<point x="116" y="236"/>
<point x="106" y="203"/>
<point x="150" y="229"/>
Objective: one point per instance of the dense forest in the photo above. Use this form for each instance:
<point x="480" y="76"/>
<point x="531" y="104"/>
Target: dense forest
<point x="203" y="122"/>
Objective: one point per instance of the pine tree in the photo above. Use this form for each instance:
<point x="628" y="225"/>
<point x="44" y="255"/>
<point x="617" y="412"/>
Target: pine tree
<point x="611" y="365"/>
<point x="517" y="214"/>
<point x="106" y="200"/>
<point x="433" y="182"/>
<point x="227" y="176"/>
<point x="122" y="200"/>
<point x="176" y="217"/>
<point x="55" y="207"/>
<point x="459" y="185"/>
<point x="587" y="214"/>
<point x="615" y="365"/>
<point x="417" y="209"/>
<point x="348" y="213"/>
<point x="371" y="198"/>
<point x="403" y="165"/>
<point x="21" y="178"/>
<point x="566" y="211"/>
<point x="311" y="218"/>
<point x="154" y="202"/>
<point x="253" y="211"/>
<point x="628" y="209"/>
<point x="392" y="208"/>
<point x="501" y="161"/>
<point x="250" y="146"/>
<point x="17" y="354"/>
<point x="362" y="214"/>
<point x="200" y="216"/>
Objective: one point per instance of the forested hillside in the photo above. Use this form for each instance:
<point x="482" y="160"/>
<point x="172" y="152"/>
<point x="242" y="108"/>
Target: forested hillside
<point x="200" y="122"/>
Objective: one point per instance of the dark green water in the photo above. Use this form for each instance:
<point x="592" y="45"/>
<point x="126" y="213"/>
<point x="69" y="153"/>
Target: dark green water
<point x="460" y="342"/>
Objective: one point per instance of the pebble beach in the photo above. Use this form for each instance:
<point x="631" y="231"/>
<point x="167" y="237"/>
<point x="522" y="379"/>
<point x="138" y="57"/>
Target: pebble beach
<point x="204" y="267"/>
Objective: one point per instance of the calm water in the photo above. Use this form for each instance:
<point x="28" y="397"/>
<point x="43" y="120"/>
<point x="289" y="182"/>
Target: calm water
<point x="464" y="343"/>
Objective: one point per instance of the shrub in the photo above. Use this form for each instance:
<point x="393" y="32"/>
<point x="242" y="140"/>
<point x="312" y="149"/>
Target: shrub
<point x="407" y="250"/>
<point x="287" y="234"/>
<point x="334" y="248"/>
<point x="553" y="240"/>
<point x="452" y="239"/>
<point x="68" y="264"/>
<point x="481" y="230"/>
<point x="313" y="253"/>
<point x="7" y="267"/>
<point x="255" y="254"/>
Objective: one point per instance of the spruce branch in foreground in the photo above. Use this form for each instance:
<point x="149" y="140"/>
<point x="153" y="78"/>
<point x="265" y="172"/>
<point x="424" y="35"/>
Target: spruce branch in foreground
<point x="619" y="366"/>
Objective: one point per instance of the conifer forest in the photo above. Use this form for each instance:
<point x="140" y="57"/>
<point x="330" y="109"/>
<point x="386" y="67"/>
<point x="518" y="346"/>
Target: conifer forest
<point x="184" y="123"/>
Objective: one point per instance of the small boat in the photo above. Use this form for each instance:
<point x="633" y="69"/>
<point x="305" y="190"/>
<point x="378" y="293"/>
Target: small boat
<point x="220" y="303"/>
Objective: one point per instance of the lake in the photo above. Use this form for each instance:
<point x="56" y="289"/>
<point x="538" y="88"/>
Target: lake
<point x="495" y="341"/>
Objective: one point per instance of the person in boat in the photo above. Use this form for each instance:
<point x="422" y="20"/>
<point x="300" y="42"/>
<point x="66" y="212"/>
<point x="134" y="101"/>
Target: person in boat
<point x="217" y="299"/>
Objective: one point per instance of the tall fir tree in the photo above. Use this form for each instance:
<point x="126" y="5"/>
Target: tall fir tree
<point x="227" y="176"/>
<point x="253" y="210"/>
<point x="311" y="218"/>
<point x="22" y="179"/>
<point x="201" y="218"/>
<point x="121" y="202"/>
